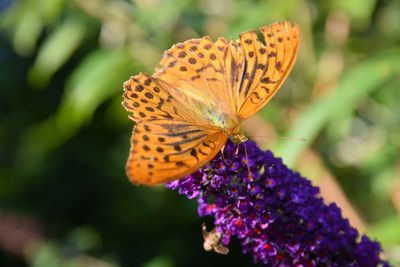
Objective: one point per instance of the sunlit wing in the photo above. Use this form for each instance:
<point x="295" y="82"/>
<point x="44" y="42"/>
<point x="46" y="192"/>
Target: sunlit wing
<point x="164" y="150"/>
<point x="146" y="99"/>
<point x="234" y="78"/>
<point x="265" y="67"/>
<point x="195" y="70"/>
<point x="169" y="141"/>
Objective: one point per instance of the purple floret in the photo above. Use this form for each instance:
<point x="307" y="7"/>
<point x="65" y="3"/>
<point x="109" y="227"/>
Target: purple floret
<point x="276" y="214"/>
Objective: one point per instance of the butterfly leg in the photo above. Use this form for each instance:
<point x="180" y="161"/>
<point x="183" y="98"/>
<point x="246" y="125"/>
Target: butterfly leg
<point x="249" y="176"/>
<point x="223" y="153"/>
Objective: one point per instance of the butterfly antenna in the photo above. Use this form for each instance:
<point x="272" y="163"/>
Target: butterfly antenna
<point x="247" y="162"/>
<point x="301" y="139"/>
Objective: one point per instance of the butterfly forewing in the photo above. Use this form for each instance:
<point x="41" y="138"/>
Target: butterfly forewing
<point x="147" y="99"/>
<point x="196" y="68"/>
<point x="253" y="63"/>
<point x="270" y="64"/>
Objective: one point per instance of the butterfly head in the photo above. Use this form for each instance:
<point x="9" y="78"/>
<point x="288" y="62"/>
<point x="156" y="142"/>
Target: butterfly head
<point x="236" y="135"/>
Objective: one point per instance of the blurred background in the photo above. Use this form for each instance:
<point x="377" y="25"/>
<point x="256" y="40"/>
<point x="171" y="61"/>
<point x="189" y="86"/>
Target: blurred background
<point x="64" y="136"/>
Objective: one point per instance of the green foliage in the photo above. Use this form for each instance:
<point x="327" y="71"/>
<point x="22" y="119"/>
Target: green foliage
<point x="64" y="137"/>
<point x="353" y="88"/>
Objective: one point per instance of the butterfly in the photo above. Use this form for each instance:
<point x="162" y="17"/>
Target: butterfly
<point x="185" y="112"/>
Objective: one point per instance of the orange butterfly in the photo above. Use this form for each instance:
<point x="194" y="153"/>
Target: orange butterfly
<point x="187" y="109"/>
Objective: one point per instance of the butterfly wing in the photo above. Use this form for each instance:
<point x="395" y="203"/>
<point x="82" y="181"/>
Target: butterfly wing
<point x="237" y="79"/>
<point x="146" y="99"/>
<point x="169" y="141"/>
<point x="195" y="70"/>
<point x="265" y="67"/>
<point x="199" y="83"/>
<point x="164" y="150"/>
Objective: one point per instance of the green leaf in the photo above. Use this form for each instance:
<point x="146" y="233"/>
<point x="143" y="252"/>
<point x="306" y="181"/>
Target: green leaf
<point x="387" y="231"/>
<point x="99" y="77"/>
<point x="356" y="84"/>
<point x="55" y="51"/>
<point x="359" y="11"/>
<point x="27" y="32"/>
<point x="266" y="12"/>
<point x="160" y="261"/>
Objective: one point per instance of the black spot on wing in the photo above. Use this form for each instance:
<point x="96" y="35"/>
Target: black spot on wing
<point x="193" y="153"/>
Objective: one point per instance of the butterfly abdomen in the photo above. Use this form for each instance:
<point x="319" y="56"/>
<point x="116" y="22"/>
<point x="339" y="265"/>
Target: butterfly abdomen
<point x="219" y="119"/>
<point x="227" y="124"/>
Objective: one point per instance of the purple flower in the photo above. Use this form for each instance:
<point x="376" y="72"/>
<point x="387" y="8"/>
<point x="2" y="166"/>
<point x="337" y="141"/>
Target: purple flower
<point x="274" y="212"/>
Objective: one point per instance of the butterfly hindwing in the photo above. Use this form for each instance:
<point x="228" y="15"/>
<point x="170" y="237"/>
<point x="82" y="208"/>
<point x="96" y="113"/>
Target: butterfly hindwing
<point x="164" y="150"/>
<point x="168" y="140"/>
